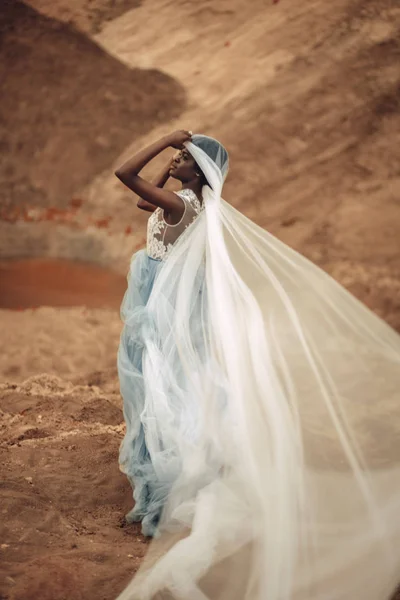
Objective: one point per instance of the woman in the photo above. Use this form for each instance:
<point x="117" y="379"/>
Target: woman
<point x="269" y="414"/>
<point x="172" y="215"/>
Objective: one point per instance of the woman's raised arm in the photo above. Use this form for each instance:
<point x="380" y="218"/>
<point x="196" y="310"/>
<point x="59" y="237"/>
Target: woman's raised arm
<point x="128" y="173"/>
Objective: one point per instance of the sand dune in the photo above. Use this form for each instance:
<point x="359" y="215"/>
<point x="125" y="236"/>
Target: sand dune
<point x="306" y="98"/>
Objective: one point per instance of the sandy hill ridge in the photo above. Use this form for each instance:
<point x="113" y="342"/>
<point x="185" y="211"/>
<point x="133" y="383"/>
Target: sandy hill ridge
<point x="306" y="98"/>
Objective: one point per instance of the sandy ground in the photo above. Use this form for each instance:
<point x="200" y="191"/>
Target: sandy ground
<point x="53" y="141"/>
<point x="306" y="96"/>
<point x="86" y="15"/>
<point x="63" y="499"/>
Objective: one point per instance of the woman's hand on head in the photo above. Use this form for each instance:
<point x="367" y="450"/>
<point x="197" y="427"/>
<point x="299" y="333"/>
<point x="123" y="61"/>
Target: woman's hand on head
<point x="178" y="138"/>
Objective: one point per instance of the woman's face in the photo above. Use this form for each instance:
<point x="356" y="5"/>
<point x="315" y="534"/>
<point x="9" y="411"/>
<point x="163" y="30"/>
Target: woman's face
<point x="183" y="166"/>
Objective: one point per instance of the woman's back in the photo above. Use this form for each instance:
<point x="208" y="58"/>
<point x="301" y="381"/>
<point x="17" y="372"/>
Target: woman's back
<point x="161" y="236"/>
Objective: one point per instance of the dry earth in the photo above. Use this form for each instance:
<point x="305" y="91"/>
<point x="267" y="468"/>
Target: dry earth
<point x="306" y="96"/>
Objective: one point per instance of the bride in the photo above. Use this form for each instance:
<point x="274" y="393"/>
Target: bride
<point x="261" y="403"/>
<point x="146" y="457"/>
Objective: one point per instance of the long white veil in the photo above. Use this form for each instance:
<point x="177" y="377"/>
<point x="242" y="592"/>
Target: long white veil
<point x="273" y="403"/>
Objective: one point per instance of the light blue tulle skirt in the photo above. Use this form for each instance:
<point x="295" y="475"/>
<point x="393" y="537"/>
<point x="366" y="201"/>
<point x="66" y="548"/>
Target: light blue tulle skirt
<point x="148" y="492"/>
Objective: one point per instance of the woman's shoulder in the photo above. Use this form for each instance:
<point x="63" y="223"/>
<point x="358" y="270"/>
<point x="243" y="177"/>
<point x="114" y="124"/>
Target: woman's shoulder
<point x="189" y="197"/>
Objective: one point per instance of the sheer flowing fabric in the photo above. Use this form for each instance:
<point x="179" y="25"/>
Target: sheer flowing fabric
<point x="273" y="399"/>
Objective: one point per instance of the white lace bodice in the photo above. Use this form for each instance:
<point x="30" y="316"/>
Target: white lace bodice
<point x="161" y="236"/>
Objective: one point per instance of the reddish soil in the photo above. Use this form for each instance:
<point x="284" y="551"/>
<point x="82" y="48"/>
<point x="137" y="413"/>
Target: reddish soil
<point x="306" y="98"/>
<point x="62" y="497"/>
<point x="45" y="282"/>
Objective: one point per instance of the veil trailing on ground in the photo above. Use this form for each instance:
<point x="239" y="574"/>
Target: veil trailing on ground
<point x="274" y="397"/>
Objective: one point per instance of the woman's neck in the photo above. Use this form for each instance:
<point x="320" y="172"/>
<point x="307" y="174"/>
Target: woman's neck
<point x="195" y="187"/>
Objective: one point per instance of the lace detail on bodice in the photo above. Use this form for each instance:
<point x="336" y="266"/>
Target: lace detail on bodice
<point x="161" y="236"/>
